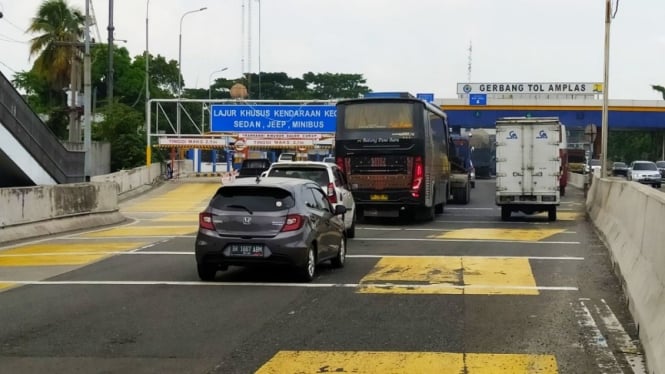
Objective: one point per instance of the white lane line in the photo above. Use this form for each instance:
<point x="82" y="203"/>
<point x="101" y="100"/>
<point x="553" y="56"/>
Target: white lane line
<point x="465" y="241"/>
<point x="131" y="237"/>
<point x="191" y="253"/>
<point x="495" y="222"/>
<point x="617" y="334"/>
<point x="278" y="284"/>
<point x="595" y="341"/>
<point x="425" y="229"/>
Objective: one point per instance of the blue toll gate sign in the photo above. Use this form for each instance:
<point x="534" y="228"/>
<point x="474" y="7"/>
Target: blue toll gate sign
<point x="429" y="97"/>
<point x="273" y="118"/>
<point x="477" y="99"/>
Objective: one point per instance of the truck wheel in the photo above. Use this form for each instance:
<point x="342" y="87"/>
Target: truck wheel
<point x="505" y="213"/>
<point x="551" y="214"/>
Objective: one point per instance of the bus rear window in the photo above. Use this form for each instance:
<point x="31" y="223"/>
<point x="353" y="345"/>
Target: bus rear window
<point x="382" y="116"/>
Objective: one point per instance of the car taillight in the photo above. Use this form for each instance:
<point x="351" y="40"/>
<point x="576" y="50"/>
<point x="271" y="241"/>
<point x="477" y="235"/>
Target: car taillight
<point x="418" y="173"/>
<point x="293" y="222"/>
<point x="332" y="197"/>
<point x="340" y="163"/>
<point x="205" y="221"/>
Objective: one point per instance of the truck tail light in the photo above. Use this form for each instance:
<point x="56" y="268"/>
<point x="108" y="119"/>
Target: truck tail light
<point x="340" y="163"/>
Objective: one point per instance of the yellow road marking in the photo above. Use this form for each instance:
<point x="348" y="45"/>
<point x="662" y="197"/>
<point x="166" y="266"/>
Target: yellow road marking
<point x="450" y="275"/>
<point x="190" y="197"/>
<point x="133" y="231"/>
<point x="4" y="286"/>
<point x="61" y="254"/>
<point x="407" y="362"/>
<point x="504" y="272"/>
<point x="498" y="234"/>
<point x="180" y="217"/>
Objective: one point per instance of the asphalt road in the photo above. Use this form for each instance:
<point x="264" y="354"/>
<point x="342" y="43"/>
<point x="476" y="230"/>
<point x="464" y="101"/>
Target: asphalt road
<point x="466" y="293"/>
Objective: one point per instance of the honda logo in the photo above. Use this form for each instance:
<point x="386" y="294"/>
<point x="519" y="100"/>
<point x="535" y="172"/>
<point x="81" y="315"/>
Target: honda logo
<point x="246" y="220"/>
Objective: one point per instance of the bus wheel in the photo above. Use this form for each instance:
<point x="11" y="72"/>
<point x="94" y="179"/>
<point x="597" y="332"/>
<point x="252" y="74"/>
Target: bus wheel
<point x="427" y="213"/>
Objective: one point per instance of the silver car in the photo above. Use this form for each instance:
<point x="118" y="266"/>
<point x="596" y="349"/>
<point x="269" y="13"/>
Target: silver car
<point x="271" y="221"/>
<point x="644" y="172"/>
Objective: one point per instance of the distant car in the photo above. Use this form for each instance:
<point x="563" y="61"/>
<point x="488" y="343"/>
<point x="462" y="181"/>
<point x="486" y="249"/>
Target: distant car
<point x="644" y="172"/>
<point x="595" y="166"/>
<point x="330" y="178"/>
<point x="330" y="160"/>
<point x="619" y="169"/>
<point x="286" y="157"/>
<point x="253" y="167"/>
<point x="661" y="168"/>
<point x="273" y="221"/>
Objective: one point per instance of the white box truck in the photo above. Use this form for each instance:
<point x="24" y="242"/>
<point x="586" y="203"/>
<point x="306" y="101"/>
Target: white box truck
<point x="528" y="165"/>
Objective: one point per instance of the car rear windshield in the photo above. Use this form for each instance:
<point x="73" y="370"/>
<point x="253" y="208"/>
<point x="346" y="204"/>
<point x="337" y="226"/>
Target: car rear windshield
<point x="255" y="164"/>
<point x="660" y="164"/>
<point x="318" y="175"/>
<point x="253" y="198"/>
<point x="644" y="166"/>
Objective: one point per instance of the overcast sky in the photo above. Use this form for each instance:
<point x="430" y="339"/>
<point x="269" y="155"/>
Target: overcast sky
<point x="420" y="46"/>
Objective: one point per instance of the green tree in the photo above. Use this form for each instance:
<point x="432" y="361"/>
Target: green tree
<point x="123" y="128"/>
<point x="279" y="86"/>
<point x="60" y="29"/>
<point x="336" y="86"/>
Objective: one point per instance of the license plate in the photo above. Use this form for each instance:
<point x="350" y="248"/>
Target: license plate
<point x="382" y="197"/>
<point x="252" y="250"/>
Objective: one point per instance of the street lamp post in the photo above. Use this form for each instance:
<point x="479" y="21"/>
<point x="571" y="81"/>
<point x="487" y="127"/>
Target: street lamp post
<point x="210" y="81"/>
<point x="180" y="65"/>
<point x="148" y="154"/>
<point x="606" y="72"/>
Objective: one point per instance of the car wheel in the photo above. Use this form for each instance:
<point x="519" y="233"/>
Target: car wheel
<point x="309" y="268"/>
<point x="351" y="231"/>
<point x="206" y="272"/>
<point x="340" y="259"/>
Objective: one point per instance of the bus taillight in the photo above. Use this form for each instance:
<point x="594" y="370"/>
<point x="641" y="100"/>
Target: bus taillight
<point x="418" y="174"/>
<point x="340" y="163"/>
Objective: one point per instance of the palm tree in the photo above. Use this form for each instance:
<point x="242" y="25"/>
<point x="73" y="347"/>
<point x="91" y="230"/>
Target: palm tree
<point x="660" y="89"/>
<point x="60" y="30"/>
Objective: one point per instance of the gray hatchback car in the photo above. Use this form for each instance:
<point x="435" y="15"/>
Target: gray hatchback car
<point x="271" y="221"/>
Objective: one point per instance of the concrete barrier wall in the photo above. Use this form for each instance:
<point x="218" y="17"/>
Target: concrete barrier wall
<point x="630" y="219"/>
<point x="137" y="179"/>
<point x="34" y="211"/>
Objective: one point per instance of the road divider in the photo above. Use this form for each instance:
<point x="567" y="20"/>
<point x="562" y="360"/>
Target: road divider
<point x="629" y="217"/>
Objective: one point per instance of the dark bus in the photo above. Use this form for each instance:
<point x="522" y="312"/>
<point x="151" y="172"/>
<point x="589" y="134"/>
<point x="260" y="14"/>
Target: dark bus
<point x="394" y="150"/>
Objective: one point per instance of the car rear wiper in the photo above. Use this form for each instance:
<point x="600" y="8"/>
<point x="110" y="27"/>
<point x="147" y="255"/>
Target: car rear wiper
<point x="238" y="206"/>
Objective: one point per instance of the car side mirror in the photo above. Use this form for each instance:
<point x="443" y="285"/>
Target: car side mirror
<point x="340" y="209"/>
